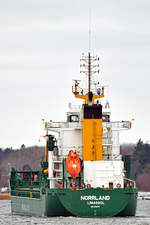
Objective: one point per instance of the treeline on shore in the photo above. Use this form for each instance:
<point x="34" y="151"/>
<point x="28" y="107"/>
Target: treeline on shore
<point x="24" y="158"/>
<point x="30" y="158"/>
<point x="140" y="163"/>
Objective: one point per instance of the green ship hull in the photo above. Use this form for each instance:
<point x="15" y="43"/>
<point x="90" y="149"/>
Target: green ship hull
<point x="81" y="203"/>
<point x="100" y="203"/>
<point x="43" y="204"/>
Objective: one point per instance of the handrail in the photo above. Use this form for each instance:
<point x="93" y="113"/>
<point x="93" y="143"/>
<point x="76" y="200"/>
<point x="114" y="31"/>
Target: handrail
<point x="132" y="181"/>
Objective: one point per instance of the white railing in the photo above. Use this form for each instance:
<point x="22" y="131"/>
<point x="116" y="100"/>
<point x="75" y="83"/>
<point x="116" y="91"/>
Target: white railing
<point x="117" y="125"/>
<point x="133" y="184"/>
<point x="121" y="125"/>
<point x="55" y="125"/>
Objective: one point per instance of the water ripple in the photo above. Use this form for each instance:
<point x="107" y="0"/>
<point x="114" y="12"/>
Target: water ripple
<point x="142" y="217"/>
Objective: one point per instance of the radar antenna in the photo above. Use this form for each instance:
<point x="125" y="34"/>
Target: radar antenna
<point x="89" y="66"/>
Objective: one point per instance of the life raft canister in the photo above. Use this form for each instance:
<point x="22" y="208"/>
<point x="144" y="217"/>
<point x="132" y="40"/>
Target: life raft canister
<point x="73" y="164"/>
<point x="118" y="185"/>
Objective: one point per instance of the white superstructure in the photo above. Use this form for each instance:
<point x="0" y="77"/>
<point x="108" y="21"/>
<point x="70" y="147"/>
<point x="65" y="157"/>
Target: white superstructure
<point x="105" y="173"/>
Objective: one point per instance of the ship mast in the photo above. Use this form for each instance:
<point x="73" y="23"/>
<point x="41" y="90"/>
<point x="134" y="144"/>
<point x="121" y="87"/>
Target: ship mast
<point x="89" y="72"/>
<point x="89" y="66"/>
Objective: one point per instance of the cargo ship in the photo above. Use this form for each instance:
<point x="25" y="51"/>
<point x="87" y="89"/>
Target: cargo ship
<point x="83" y="173"/>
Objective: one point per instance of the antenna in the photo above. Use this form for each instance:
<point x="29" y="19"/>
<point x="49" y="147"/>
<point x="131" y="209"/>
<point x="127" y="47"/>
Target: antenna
<point x="89" y="30"/>
<point x="89" y="66"/>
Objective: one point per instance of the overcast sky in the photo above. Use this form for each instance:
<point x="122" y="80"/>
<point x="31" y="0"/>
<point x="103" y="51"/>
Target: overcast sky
<point x="41" y="42"/>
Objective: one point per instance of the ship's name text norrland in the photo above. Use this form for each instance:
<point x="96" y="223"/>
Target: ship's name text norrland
<point x="93" y="197"/>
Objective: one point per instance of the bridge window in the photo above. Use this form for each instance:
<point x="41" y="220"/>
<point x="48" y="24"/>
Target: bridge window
<point x="73" y="118"/>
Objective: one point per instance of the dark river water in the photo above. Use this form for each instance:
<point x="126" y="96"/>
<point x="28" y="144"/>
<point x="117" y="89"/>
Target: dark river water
<point x="142" y="217"/>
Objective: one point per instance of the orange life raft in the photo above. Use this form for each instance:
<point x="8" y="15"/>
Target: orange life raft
<point x="73" y="164"/>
